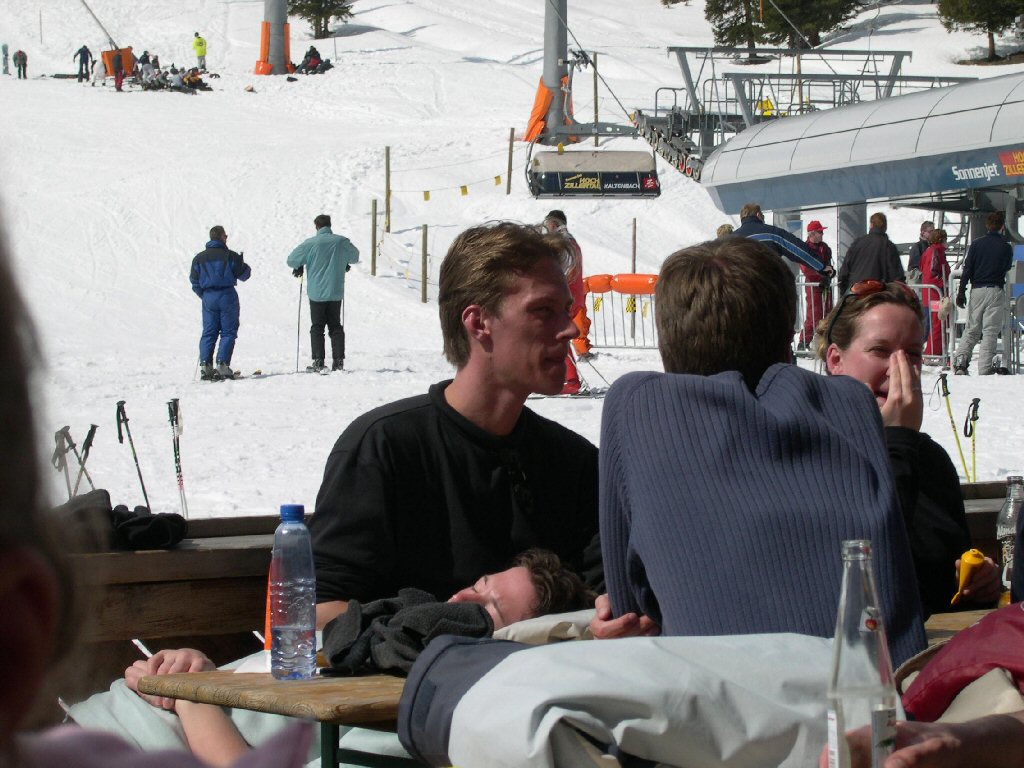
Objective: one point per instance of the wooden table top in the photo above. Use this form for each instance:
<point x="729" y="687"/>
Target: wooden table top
<point x="941" y="626"/>
<point x="366" y="701"/>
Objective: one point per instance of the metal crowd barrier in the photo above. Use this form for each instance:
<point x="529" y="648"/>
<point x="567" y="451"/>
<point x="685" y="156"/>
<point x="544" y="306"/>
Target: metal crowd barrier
<point x="621" y="309"/>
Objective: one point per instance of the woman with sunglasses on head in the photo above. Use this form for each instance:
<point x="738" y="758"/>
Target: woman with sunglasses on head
<point x="875" y="334"/>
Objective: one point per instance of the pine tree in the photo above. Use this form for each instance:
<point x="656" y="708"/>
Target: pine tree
<point x="320" y="12"/>
<point x="735" y="22"/>
<point x="812" y="18"/>
<point x="988" y="16"/>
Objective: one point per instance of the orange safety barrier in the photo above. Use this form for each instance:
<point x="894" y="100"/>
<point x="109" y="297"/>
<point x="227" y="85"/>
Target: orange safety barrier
<point x="127" y="60"/>
<point x="634" y="284"/>
<point x="263" y="66"/>
<point x="538" y="115"/>
<point x="597" y="283"/>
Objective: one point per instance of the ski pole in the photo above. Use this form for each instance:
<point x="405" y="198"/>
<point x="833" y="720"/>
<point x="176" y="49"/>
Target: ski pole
<point x="174" y="413"/>
<point x="971" y="431"/>
<point x="122" y="419"/>
<point x="86" y="447"/>
<point x="74" y="449"/>
<point x="952" y="424"/>
<point x="60" y="458"/>
<point x="298" y="324"/>
<point x="597" y="372"/>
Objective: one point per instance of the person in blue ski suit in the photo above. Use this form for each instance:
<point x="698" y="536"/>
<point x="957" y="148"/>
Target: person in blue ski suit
<point x="215" y="271"/>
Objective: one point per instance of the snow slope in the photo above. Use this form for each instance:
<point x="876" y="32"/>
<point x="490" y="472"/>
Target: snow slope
<point x="107" y="197"/>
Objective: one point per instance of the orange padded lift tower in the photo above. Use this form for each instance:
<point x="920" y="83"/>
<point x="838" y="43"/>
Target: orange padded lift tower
<point x="275" y="53"/>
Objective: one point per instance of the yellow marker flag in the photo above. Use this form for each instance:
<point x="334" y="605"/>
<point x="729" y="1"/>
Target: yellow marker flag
<point x="497" y="181"/>
<point x="464" y="190"/>
<point x="426" y="195"/>
<point x="631" y="305"/>
<point x="643" y="308"/>
<point x="598" y="300"/>
<point x="561" y="148"/>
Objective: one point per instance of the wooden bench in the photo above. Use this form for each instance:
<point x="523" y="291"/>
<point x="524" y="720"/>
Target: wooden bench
<point x="209" y="593"/>
<point x="982" y="502"/>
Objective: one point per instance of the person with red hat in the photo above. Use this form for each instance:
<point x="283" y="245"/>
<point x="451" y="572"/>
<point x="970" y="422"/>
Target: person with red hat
<point x="817" y="297"/>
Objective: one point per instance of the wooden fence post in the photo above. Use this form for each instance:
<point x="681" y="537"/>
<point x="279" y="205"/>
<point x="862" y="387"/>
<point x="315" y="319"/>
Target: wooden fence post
<point x="423" y="266"/>
<point x="373" y="237"/>
<point x="508" y="178"/>
<point x="387" y="189"/>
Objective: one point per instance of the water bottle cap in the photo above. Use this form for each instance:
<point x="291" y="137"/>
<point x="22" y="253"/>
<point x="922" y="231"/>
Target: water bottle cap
<point x="293" y="513"/>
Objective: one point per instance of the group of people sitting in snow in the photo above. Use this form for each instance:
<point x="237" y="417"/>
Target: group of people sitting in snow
<point x="313" y="64"/>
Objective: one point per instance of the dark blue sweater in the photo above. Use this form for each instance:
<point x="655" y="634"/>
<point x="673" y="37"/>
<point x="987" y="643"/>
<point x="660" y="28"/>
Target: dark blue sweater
<point x="723" y="510"/>
<point x="988" y="259"/>
<point x="217" y="267"/>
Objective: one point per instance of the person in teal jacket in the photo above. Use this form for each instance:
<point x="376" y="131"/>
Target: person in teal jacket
<point x="325" y="257"/>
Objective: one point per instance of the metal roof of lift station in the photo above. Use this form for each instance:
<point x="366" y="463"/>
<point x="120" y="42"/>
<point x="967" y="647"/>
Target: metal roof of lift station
<point x="953" y="139"/>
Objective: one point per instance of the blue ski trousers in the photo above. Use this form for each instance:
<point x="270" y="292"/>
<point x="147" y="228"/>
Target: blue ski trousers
<point x="220" y="318"/>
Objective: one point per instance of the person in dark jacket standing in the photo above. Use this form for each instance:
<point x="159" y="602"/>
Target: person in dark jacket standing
<point x="871" y="257"/>
<point x="215" y="271"/>
<point x="985" y="267"/>
<point x="118" y="63"/>
<point x="785" y="244"/>
<point x="325" y="257"/>
<point x="21" y="64"/>
<point x="916" y="250"/>
<point x="84" y="56"/>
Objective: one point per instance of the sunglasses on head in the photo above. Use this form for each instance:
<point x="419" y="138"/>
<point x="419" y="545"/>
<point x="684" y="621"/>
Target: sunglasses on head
<point x="860" y="290"/>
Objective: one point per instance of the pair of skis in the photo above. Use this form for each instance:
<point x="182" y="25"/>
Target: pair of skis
<point x="174" y="416"/>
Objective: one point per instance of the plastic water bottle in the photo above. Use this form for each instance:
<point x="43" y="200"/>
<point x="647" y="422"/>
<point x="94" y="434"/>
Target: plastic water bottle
<point x="1006" y="525"/>
<point x="292" y="598"/>
<point x="861" y="690"/>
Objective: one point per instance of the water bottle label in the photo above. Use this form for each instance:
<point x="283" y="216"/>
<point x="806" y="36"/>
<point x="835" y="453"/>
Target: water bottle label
<point x="883" y="735"/>
<point x="834" y="734"/>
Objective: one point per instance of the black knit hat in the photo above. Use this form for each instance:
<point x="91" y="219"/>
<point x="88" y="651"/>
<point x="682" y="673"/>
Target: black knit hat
<point x="557" y="216"/>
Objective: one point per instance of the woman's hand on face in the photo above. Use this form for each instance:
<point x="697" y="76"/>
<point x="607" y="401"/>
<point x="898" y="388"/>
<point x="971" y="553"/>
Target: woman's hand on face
<point x="904" y="405"/>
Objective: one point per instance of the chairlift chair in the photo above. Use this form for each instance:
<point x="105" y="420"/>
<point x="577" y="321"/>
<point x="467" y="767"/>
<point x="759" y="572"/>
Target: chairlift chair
<point x="592" y="173"/>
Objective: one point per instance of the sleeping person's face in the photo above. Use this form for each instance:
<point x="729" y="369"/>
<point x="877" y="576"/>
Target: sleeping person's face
<point x="508" y="596"/>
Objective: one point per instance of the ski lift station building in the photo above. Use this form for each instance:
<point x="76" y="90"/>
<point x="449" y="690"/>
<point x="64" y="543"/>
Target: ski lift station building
<point x="957" y="149"/>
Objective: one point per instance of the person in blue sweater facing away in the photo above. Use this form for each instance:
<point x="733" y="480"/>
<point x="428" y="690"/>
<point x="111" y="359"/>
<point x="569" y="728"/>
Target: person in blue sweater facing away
<point x="215" y="272"/>
<point x="325" y="258"/>
<point x="728" y="482"/>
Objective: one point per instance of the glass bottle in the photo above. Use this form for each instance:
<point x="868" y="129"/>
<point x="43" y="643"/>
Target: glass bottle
<point x="861" y="690"/>
<point x="292" y="598"/>
<point x="1006" y="524"/>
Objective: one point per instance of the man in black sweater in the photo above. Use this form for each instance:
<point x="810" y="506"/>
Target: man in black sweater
<point x="436" y="490"/>
<point x="871" y="257"/>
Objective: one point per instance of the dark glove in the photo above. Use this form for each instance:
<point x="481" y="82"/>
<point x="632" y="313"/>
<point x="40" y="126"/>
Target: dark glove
<point x="961" y="299"/>
<point x="828" y="272"/>
<point x="348" y="267"/>
<point x="297" y="272"/>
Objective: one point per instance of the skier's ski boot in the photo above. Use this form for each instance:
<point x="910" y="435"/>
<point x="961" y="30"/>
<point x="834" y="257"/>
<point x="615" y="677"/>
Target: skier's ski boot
<point x="338" y="365"/>
<point x="317" y="366"/>
<point x="224" y="370"/>
<point x="207" y="372"/>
